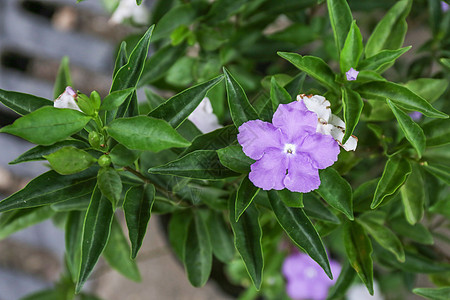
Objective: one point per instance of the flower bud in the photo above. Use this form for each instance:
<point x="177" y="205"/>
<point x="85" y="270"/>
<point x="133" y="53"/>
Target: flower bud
<point x="94" y="139"/>
<point x="85" y="104"/>
<point x="96" y="100"/>
<point x="104" y="161"/>
<point x="67" y="100"/>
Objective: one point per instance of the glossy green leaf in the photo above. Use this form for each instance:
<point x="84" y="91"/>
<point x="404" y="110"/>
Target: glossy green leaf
<point x="110" y="184"/>
<point x="413" y="133"/>
<point x="179" y="107"/>
<point x="353" y="106"/>
<point x="117" y="253"/>
<point x="428" y="88"/>
<point x="400" y="95"/>
<point x="291" y="199"/>
<point x="49" y="188"/>
<point x="278" y="94"/>
<point x="344" y="281"/>
<point x="137" y="208"/>
<point x="440" y="171"/>
<point x="247" y="240"/>
<point x="221" y="237"/>
<point x="244" y="197"/>
<point x="198" y="252"/>
<point x="122" y="156"/>
<point x="38" y="152"/>
<point x="214" y="140"/>
<point x="240" y="108"/>
<point x="437" y="132"/>
<point x="382" y="59"/>
<point x="200" y="164"/>
<point x="299" y="228"/>
<point x="385" y="237"/>
<point x="340" y="19"/>
<point x="359" y="249"/>
<point x="79" y="203"/>
<point x="314" y="67"/>
<point x="394" y="175"/>
<point x="433" y="293"/>
<point x="417" y="232"/>
<point x="63" y="78"/>
<point x="73" y="241"/>
<point x="235" y="159"/>
<point x="178" y="229"/>
<point x="121" y="59"/>
<point x="390" y="31"/>
<point x="22" y="103"/>
<point x="96" y="229"/>
<point x="336" y="191"/>
<point x="115" y="99"/>
<point x="145" y="133"/>
<point x="70" y="160"/>
<point x="316" y="209"/>
<point x="180" y="15"/>
<point x="413" y="196"/>
<point x="352" y="49"/>
<point x="47" y="125"/>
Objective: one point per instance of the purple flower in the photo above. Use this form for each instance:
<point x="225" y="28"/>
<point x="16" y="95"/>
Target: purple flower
<point x="305" y="278"/>
<point x="288" y="152"/>
<point x="351" y="74"/>
<point x="444" y="6"/>
<point x="415" y="115"/>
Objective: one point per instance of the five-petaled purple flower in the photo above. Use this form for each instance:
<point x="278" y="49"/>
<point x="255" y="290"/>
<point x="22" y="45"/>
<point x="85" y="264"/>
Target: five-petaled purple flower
<point x="351" y="74"/>
<point x="444" y="6"/>
<point x="305" y="278"/>
<point x="288" y="152"/>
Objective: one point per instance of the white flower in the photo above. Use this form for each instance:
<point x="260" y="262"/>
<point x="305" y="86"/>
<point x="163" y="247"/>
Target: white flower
<point x="328" y="123"/>
<point x="128" y="9"/>
<point x="67" y="100"/>
<point x="204" y="118"/>
<point x="359" y="292"/>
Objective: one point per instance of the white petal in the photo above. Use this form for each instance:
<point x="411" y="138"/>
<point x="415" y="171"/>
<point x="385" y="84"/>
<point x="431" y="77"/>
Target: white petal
<point x="338" y="134"/>
<point x="319" y="105"/>
<point x="204" y="118"/>
<point x="66" y="100"/>
<point x="336" y="121"/>
<point x="129" y="9"/>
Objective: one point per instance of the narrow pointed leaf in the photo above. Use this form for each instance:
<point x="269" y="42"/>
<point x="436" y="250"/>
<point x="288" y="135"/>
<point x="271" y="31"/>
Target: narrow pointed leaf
<point x="217" y="139"/>
<point x="352" y="49"/>
<point x="340" y="19"/>
<point x="413" y="133"/>
<point x="115" y="99"/>
<point x="178" y="229"/>
<point x="137" y="208"/>
<point x="428" y="88"/>
<point x="413" y="196"/>
<point x="235" y="159"/>
<point x="278" y="94"/>
<point x="47" y="125"/>
<point x="437" y="132"/>
<point x="345" y="279"/>
<point x="379" y="61"/>
<point x="73" y="241"/>
<point x="316" y="209"/>
<point x="179" y="107"/>
<point x="110" y="184"/>
<point x="22" y="103"/>
<point x="353" y="106"/>
<point x="244" y="197"/>
<point x="291" y="199"/>
<point x="299" y="228"/>
<point x="440" y="171"/>
<point x="417" y="232"/>
<point x="221" y="237"/>
<point x="121" y="59"/>
<point x="63" y="78"/>
<point x="433" y="293"/>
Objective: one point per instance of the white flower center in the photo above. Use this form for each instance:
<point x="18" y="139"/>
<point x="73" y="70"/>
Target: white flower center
<point x="310" y="273"/>
<point x="289" y="148"/>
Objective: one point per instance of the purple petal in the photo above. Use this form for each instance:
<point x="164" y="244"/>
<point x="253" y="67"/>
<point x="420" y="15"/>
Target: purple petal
<point x="351" y="74"/>
<point x="302" y="177"/>
<point x="269" y="172"/>
<point x="322" y="149"/>
<point x="294" y="119"/>
<point x="256" y="136"/>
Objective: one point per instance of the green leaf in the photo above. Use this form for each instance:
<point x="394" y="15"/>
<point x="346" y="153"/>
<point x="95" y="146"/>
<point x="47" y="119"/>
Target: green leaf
<point x="336" y="191"/>
<point x="247" y="240"/>
<point x="340" y="19"/>
<point x="137" y="208"/>
<point x="178" y="229"/>
<point x="38" y="152"/>
<point x="180" y="15"/>
<point x="63" y="79"/>
<point x="413" y="196"/>
<point x="437" y="132"/>
<point x="291" y="199"/>
<point x="145" y="133"/>
<point x="14" y="221"/>
<point x="214" y="140"/>
<point x="47" y="125"/>
<point x="345" y="279"/>
<point x="433" y="293"/>
<point x="115" y="99"/>
<point x="200" y="164"/>
<point x="221" y="237"/>
<point x="416" y="232"/>
<point x="314" y="67"/>
<point x="394" y="175"/>
<point x="96" y="229"/>
<point x="359" y="249"/>
<point x="278" y="94"/>
<point x="73" y="241"/>
<point x="79" y="203"/>
<point x="390" y="31"/>
<point x="235" y="159"/>
<point x="22" y="103"/>
<point x="385" y="237"/>
<point x="428" y="88"/>
<point x="440" y="171"/>
<point x="198" y="252"/>
<point x="49" y="188"/>
<point x="400" y="95"/>
<point x="316" y="209"/>
<point x="353" y="106"/>
<point x="121" y="59"/>
<point x="244" y="197"/>
<point x="70" y="160"/>
<point x="299" y="228"/>
<point x="240" y="108"/>
<point x="381" y="60"/>
<point x="110" y="184"/>
<point x="413" y="133"/>
<point x="117" y="253"/>
<point x="121" y="156"/>
<point x="50" y="294"/>
<point x="352" y="50"/>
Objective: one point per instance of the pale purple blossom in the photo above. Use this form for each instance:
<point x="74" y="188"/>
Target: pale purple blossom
<point x="415" y="115"/>
<point x="306" y="279"/>
<point x="351" y="74"/>
<point x="67" y="100"/>
<point x="444" y="6"/>
<point x="288" y="152"/>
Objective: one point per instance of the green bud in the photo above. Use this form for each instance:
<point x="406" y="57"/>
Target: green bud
<point x="96" y="100"/>
<point x="85" y="104"/>
<point x="94" y="139"/>
<point x="104" y="161"/>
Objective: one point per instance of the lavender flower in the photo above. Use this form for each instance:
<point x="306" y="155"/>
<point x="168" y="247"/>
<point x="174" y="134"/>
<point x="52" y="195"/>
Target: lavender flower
<point x="67" y="99"/>
<point x="444" y="6"/>
<point x="288" y="152"/>
<point x="351" y="74"/>
<point x="305" y="278"/>
<point x="415" y="115"/>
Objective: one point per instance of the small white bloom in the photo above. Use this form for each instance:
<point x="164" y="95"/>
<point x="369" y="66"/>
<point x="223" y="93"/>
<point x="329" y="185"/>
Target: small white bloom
<point x="359" y="292"/>
<point x="128" y="9"/>
<point x="204" y="118"/>
<point x="327" y="122"/>
<point x="67" y="100"/>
